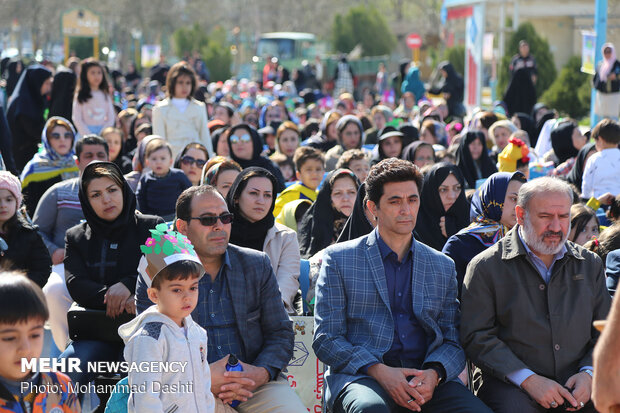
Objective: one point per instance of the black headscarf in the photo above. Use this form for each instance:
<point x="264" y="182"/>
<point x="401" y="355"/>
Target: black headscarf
<point x="520" y="95"/>
<point x="257" y="159"/>
<point x="245" y="233"/>
<point x="12" y="77"/>
<point x="575" y="176"/>
<point x="454" y="85"/>
<point x="27" y="100"/>
<point x="409" y="152"/>
<point x="357" y="225"/>
<point x="6" y="144"/>
<point x="562" y="141"/>
<point x="431" y="207"/>
<point x="63" y="89"/>
<point x="527" y="124"/>
<point x="4" y="64"/>
<point x="318" y="227"/>
<point x="466" y="163"/>
<point x="109" y="230"/>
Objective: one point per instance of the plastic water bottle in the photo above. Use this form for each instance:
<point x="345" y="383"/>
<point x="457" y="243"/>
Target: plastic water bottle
<point x="233" y="365"/>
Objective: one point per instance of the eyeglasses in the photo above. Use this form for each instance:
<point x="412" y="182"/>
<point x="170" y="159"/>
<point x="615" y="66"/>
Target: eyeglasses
<point x="245" y="139"/>
<point x="67" y="135"/>
<point x="209" y="221"/>
<point x="189" y="160"/>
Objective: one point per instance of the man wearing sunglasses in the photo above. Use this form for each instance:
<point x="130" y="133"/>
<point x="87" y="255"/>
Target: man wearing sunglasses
<point x="239" y="305"/>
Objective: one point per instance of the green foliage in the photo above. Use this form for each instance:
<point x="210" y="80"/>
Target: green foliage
<point x="456" y="56"/>
<point x="365" y="26"/>
<point x="213" y="48"/>
<point x="539" y="48"/>
<point x="570" y="92"/>
<point x="82" y="46"/>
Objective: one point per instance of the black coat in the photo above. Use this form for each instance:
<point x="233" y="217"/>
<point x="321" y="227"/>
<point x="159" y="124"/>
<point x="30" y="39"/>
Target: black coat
<point x="27" y="253"/>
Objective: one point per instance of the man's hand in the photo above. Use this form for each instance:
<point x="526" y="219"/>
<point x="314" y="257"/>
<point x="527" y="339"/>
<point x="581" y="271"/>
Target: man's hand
<point x="394" y="381"/>
<point x="58" y="256"/>
<point x="546" y="391"/>
<point x="259" y="375"/>
<point x="425" y="382"/>
<point x="115" y="299"/>
<point x="227" y="387"/>
<point x="581" y="385"/>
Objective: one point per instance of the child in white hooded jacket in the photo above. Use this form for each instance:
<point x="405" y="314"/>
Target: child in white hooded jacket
<point x="164" y="344"/>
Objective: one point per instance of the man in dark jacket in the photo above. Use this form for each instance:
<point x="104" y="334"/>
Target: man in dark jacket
<point x="528" y="304"/>
<point x="240" y="306"/>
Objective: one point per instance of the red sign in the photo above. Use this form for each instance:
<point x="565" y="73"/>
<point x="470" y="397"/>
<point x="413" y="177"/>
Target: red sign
<point x="414" y="41"/>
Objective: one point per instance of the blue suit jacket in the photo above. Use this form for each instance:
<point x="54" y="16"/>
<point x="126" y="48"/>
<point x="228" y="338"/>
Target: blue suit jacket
<point x="353" y="320"/>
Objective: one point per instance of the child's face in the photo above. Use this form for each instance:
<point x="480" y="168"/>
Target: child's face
<point x="360" y="167"/>
<point x="114" y="144"/>
<point x="159" y="161"/>
<point x="287" y="171"/>
<point x="17" y="341"/>
<point x="176" y="298"/>
<point x="8" y="205"/>
<point x="94" y="77"/>
<point x="311" y="173"/>
<point x="183" y="87"/>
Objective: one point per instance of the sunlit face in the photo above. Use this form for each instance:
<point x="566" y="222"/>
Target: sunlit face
<point x="94" y="76"/>
<point x="192" y="169"/>
<point x="105" y="198"/>
<point x="332" y="132"/>
<point x="183" y="87"/>
<point x="17" y="341"/>
<point x="501" y="137"/>
<point x="225" y="180"/>
<point x="475" y="149"/>
<point x="222" y="148"/>
<point x="289" y="141"/>
<point x="8" y="206"/>
<point x="449" y="191"/>
<point x="579" y="140"/>
<point x="427" y="136"/>
<point x="91" y="153"/>
<point x="61" y="140"/>
<point x="274" y="114"/>
<point x="241" y="144"/>
<point x="221" y="113"/>
<point x="398" y="207"/>
<point x="379" y="121"/>
<point x="256" y="199"/>
<point x="115" y="144"/>
<point x="590" y="230"/>
<point x="509" y="216"/>
<point x="361" y="168"/>
<point x="343" y="196"/>
<point x="392" y="146"/>
<point x="311" y="173"/>
<point x="351" y="136"/>
<point x="425" y="155"/>
<point x="546" y="225"/>
<point x="159" y="161"/>
<point x="176" y="298"/>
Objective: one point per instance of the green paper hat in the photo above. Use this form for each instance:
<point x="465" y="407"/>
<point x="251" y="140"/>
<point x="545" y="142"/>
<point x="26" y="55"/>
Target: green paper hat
<point x="163" y="248"/>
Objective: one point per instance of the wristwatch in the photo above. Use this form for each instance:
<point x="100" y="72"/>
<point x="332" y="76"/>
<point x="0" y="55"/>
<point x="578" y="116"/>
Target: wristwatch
<point x="590" y="372"/>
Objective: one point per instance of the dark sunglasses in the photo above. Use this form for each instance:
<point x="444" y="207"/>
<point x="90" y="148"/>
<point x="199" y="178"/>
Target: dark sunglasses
<point x="67" y="135"/>
<point x="209" y="221"/>
<point x="188" y="160"/>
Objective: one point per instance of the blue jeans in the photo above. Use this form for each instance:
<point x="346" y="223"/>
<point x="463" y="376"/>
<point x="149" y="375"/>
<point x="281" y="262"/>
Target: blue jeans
<point x="91" y="350"/>
<point x="367" y="396"/>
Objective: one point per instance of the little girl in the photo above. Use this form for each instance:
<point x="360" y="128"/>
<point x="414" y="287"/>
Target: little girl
<point x="26" y="251"/>
<point x="92" y="106"/>
<point x="181" y="119"/>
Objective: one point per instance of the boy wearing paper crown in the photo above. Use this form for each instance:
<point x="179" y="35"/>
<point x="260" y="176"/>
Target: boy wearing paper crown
<point x="165" y="336"/>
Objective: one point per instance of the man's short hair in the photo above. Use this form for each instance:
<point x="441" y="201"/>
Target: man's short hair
<point x="349" y="156"/>
<point x="184" y="202"/>
<point x="180" y="270"/>
<point x="387" y="171"/>
<point x="544" y="185"/>
<point x="304" y="153"/>
<point x="91" y="139"/>
<point x="608" y="130"/>
<point x="20" y="299"/>
<point x="155" y="145"/>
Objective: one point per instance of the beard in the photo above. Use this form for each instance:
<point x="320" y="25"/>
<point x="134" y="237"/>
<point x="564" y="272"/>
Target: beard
<point x="537" y="242"/>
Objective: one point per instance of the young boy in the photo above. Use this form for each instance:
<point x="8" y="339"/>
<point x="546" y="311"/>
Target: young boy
<point x="600" y="175"/>
<point x="159" y="188"/>
<point x="23" y="313"/>
<point x="310" y="168"/>
<point x="165" y="333"/>
<point x="356" y="161"/>
<point x="286" y="165"/>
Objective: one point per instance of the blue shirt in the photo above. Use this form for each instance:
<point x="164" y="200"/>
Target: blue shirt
<point x="410" y="342"/>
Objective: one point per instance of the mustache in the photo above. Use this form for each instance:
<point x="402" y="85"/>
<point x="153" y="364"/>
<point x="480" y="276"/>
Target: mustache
<point x="553" y="234"/>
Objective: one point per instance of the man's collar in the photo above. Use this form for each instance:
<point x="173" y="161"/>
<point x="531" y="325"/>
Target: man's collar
<point x="385" y="249"/>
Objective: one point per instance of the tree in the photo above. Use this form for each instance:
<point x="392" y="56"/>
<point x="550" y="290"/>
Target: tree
<point x="570" y="92"/>
<point x="213" y="48"/>
<point x="456" y="56"/>
<point x="364" y="26"/>
<point x="539" y="48"/>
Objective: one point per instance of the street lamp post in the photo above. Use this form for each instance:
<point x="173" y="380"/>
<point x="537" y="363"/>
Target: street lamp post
<point x="136" y="34"/>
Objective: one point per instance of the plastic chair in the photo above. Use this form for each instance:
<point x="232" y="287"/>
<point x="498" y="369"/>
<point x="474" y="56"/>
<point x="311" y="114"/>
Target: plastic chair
<point x="304" y="283"/>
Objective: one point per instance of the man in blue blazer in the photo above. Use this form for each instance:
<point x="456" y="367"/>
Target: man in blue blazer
<point x="240" y="306"/>
<point x="386" y="311"/>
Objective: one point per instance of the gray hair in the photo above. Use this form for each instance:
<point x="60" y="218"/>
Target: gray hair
<point x="544" y="185"/>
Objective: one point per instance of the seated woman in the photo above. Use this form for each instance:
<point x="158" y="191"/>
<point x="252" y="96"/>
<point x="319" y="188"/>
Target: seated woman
<point x="245" y="148"/>
<point x="323" y="222"/>
<point x="584" y="224"/>
<point x="26" y="251"/>
<point x="251" y="199"/>
<point x="350" y="136"/>
<point x="102" y="256"/>
<point x="444" y="210"/>
<point x="54" y="164"/>
<point x="220" y="172"/>
<point x="390" y="145"/>
<point x="191" y="160"/>
<point x="473" y="159"/>
<point x="114" y="138"/>
<point x="420" y="153"/>
<point x="492" y="214"/>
